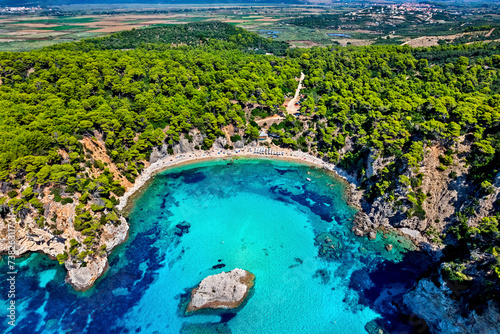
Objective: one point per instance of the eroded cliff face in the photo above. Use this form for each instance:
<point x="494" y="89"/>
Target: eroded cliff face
<point x="446" y="192"/>
<point x="30" y="237"/>
<point x="436" y="303"/>
<point x="445" y="309"/>
<point x="51" y="228"/>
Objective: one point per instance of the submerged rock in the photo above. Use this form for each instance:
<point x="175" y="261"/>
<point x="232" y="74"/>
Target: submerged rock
<point x="330" y="246"/>
<point x="182" y="228"/>
<point x="226" y="290"/>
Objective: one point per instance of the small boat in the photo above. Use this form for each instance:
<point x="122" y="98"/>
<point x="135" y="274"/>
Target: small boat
<point x="308" y="179"/>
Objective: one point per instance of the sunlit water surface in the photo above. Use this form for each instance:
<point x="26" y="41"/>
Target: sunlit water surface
<point x="260" y="215"/>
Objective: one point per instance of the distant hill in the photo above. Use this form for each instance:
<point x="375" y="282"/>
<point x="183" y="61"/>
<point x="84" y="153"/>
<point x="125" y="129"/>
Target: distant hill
<point x="182" y="34"/>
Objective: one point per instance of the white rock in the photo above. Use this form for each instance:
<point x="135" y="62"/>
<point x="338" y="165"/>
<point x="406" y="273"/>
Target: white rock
<point x="224" y="290"/>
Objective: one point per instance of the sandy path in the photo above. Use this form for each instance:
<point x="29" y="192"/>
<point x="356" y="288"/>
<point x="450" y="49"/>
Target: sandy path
<point x="291" y="108"/>
<point x="489" y="33"/>
<point x="270" y="120"/>
<point x="186" y="158"/>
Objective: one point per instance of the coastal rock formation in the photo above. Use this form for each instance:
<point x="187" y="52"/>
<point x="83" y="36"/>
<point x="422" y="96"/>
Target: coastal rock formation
<point x="82" y="278"/>
<point x="445" y="195"/>
<point x="220" y="143"/>
<point x="437" y="305"/>
<point x="30" y="237"/>
<point x="239" y="144"/>
<point x="188" y="145"/>
<point x="222" y="291"/>
<point x="158" y="153"/>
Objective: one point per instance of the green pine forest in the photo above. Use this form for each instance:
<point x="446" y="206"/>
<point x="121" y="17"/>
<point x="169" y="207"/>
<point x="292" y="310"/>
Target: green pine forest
<point x="140" y="89"/>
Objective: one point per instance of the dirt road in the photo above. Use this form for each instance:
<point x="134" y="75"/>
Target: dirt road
<point x="292" y="108"/>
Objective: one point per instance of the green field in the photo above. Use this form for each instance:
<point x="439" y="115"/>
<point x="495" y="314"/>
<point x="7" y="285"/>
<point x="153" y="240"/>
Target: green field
<point x="301" y="25"/>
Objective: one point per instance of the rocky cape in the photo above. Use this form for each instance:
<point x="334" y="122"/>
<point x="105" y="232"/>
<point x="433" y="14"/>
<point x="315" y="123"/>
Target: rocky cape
<point x="226" y="290"/>
<point x="445" y="197"/>
<point x="30" y="237"/>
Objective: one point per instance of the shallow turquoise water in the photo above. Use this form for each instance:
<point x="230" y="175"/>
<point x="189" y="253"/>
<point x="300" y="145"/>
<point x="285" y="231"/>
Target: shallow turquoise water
<point x="258" y="215"/>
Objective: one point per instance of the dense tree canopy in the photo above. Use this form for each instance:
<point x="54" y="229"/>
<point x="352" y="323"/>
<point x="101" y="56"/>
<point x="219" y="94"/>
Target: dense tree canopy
<point x="57" y="103"/>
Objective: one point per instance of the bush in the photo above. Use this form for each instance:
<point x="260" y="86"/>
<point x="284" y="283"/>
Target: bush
<point x="12" y="193"/>
<point x="28" y="193"/>
<point x="40" y="221"/>
<point x="84" y="198"/>
<point x="73" y="243"/>
<point x="82" y="255"/>
<point x="235" y="138"/>
<point x="119" y="191"/>
<point x="66" y="200"/>
<point x="82" y="221"/>
<point x="97" y="208"/>
<point x="88" y="241"/>
<point x="130" y="178"/>
<point x="57" y="194"/>
<point x="442" y="168"/>
<point x="454" y="272"/>
<point x="61" y="258"/>
<point x="446" y="160"/>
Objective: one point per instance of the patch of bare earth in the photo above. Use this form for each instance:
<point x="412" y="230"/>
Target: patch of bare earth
<point x="425" y="41"/>
<point x="268" y="121"/>
<point x="162" y="22"/>
<point x="303" y="44"/>
<point x="27" y="32"/>
<point x="99" y="153"/>
<point x="234" y="21"/>
<point x="441" y="205"/>
<point x="117" y="28"/>
<point x="38" y="25"/>
<point x="268" y="19"/>
<point x="291" y="107"/>
<point x="351" y="41"/>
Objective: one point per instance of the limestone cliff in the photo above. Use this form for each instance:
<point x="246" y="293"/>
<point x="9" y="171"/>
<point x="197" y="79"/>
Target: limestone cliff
<point x="448" y="192"/>
<point x="437" y="304"/>
<point x="81" y="274"/>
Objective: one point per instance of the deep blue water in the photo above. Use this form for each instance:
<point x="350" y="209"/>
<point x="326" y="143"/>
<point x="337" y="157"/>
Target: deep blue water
<point x="312" y="274"/>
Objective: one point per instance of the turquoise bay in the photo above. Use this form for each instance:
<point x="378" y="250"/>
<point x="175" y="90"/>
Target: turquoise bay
<point x="260" y="215"/>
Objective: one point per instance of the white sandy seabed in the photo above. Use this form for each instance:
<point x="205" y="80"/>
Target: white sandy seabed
<point x="184" y="158"/>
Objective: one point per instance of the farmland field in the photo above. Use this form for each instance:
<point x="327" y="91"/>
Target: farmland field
<point x="300" y="25"/>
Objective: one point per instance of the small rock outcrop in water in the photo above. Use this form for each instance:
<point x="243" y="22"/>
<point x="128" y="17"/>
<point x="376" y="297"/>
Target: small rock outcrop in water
<point x="225" y="290"/>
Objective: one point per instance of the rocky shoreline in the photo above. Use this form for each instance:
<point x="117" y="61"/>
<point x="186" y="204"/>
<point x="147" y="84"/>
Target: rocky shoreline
<point x="82" y="278"/>
<point x="381" y="215"/>
<point x="32" y="238"/>
<point x="189" y="157"/>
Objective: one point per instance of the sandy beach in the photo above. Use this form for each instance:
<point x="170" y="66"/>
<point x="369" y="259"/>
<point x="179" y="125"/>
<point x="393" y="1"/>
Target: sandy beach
<point x="250" y="152"/>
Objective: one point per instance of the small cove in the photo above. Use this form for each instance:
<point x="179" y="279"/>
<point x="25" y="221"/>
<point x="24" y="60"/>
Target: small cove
<point x="255" y="214"/>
